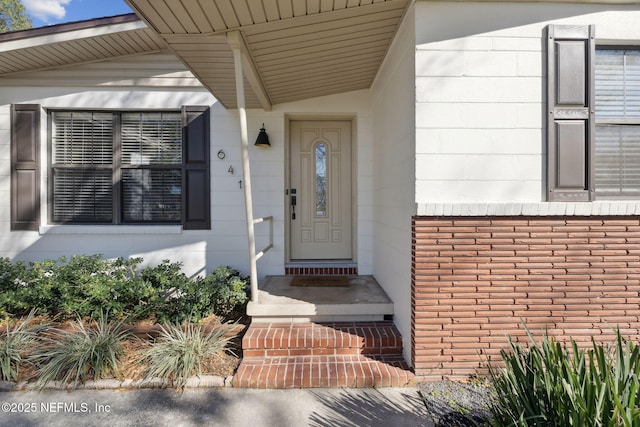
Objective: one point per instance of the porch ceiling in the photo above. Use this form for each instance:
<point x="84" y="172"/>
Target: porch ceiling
<point x="294" y="49"/>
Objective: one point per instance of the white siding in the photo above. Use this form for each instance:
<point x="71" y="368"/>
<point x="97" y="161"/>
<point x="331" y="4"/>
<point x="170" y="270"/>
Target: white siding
<point x="480" y="103"/>
<point x="394" y="171"/>
<point x="152" y="243"/>
<point x="141" y="83"/>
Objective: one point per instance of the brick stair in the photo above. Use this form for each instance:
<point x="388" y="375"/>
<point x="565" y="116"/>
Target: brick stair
<point x="307" y="355"/>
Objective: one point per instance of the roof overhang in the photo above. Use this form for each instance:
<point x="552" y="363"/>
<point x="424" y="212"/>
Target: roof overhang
<point x="74" y="43"/>
<point x="291" y="49"/>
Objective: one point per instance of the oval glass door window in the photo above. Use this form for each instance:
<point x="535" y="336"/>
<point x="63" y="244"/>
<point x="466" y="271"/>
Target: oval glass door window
<point x="321" y="179"/>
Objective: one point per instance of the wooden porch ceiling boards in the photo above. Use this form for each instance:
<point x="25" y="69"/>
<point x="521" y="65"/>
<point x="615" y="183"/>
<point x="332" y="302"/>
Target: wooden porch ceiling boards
<point x="299" y="48"/>
<point x="209" y="16"/>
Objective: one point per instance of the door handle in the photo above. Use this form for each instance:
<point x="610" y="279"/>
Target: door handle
<point x="293" y="203"/>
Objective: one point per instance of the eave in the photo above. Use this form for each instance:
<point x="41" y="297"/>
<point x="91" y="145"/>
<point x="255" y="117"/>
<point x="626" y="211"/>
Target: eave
<point x="292" y="49"/>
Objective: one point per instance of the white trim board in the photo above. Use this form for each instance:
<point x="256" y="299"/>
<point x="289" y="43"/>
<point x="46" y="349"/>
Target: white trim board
<point x="604" y="208"/>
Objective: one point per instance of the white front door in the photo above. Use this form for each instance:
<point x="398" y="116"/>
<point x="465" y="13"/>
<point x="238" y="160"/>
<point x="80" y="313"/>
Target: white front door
<point x="320" y="220"/>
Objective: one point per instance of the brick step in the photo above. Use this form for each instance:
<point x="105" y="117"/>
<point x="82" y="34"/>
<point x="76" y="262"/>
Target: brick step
<point x="356" y="371"/>
<point x="316" y="339"/>
<point x="339" y="354"/>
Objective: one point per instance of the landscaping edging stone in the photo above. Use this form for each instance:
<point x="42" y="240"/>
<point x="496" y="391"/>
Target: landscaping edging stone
<point x="203" y="381"/>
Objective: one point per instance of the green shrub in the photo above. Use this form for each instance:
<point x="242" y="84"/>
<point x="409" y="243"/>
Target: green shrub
<point x="85" y="286"/>
<point x="550" y="384"/>
<point x="191" y="300"/>
<point x="182" y="351"/>
<point x="84" y="352"/>
<point x="79" y="286"/>
<point x="89" y="285"/>
<point x="24" y="289"/>
<point x="230" y="290"/>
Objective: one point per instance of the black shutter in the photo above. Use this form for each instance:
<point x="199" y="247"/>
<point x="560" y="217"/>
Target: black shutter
<point x="570" y="120"/>
<point x="25" y="166"/>
<point x="196" y="204"/>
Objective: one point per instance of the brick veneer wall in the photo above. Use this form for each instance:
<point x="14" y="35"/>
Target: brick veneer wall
<point x="475" y="280"/>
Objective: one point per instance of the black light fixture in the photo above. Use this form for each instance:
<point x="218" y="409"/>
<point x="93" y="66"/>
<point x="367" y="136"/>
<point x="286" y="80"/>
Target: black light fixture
<point x="263" y="138"/>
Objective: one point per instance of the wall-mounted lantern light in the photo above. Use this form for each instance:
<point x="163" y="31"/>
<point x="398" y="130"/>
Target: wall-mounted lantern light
<point x="263" y="138"/>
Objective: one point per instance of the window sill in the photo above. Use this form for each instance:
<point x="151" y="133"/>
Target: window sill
<point x="602" y="208"/>
<point x="110" y="230"/>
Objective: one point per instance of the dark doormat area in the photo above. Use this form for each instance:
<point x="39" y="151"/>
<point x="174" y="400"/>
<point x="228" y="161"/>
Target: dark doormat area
<point x="321" y="281"/>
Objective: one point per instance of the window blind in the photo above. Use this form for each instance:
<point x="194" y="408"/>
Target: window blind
<point x="81" y="143"/>
<point x="617" y="166"/>
<point x="152" y="142"/>
<point x="617" y="76"/>
<point x="151" y="138"/>
<point x="82" y="195"/>
<point x="151" y="195"/>
<point x="617" y="142"/>
<point x="82" y="138"/>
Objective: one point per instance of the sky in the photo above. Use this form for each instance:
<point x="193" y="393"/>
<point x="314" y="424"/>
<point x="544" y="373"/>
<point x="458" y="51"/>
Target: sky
<point x="49" y="12"/>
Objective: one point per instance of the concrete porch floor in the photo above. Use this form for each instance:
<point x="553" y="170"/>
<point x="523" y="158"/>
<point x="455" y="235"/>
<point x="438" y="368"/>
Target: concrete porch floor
<point x="278" y="301"/>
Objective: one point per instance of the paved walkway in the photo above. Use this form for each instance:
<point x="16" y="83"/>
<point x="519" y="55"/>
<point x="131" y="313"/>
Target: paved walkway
<point x="227" y="407"/>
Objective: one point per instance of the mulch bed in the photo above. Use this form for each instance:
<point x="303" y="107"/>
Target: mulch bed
<point x="222" y="364"/>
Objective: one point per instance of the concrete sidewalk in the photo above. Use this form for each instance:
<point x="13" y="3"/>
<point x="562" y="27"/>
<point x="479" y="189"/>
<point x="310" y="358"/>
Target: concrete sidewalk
<point x="226" y="406"/>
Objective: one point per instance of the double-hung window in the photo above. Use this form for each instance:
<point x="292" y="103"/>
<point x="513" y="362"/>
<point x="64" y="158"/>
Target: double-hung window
<point x="112" y="167"/>
<point x="617" y="136"/>
<point x="116" y="167"/>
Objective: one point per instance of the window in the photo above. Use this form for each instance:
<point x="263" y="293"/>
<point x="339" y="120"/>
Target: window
<point x="113" y="167"/>
<point x="617" y="136"/>
<point x="593" y="134"/>
<point x="321" y="179"/>
<point x="116" y="167"/>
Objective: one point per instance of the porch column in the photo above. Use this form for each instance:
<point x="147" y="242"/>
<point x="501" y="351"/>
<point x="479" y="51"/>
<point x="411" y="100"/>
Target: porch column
<point x="234" y="40"/>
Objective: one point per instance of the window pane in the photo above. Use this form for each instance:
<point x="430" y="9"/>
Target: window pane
<point x="151" y="138"/>
<point x="321" y="180"/>
<point x="617" y="166"/>
<point x="617" y="84"/>
<point x="82" y="195"/>
<point x="82" y="138"/>
<point x="151" y="195"/>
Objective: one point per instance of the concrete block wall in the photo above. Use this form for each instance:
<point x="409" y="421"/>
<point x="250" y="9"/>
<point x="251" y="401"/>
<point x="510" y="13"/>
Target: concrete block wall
<point x="477" y="280"/>
<point x="393" y="182"/>
<point x="480" y="101"/>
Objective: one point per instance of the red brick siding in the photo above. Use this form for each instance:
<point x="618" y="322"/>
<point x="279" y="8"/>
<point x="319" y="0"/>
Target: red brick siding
<point x="475" y="280"/>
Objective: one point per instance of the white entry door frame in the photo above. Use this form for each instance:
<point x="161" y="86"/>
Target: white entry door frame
<point x="319" y="195"/>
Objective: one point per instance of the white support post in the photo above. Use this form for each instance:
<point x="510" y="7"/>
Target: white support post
<point x="234" y="41"/>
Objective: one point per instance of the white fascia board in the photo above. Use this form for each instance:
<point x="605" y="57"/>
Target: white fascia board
<point x="71" y="35"/>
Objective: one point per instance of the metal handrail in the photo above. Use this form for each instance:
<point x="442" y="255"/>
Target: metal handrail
<point x="259" y="254"/>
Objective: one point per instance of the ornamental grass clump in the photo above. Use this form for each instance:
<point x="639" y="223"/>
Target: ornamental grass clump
<point x="82" y="353"/>
<point x="182" y="351"/>
<point x="552" y="384"/>
<point x="15" y="344"/>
